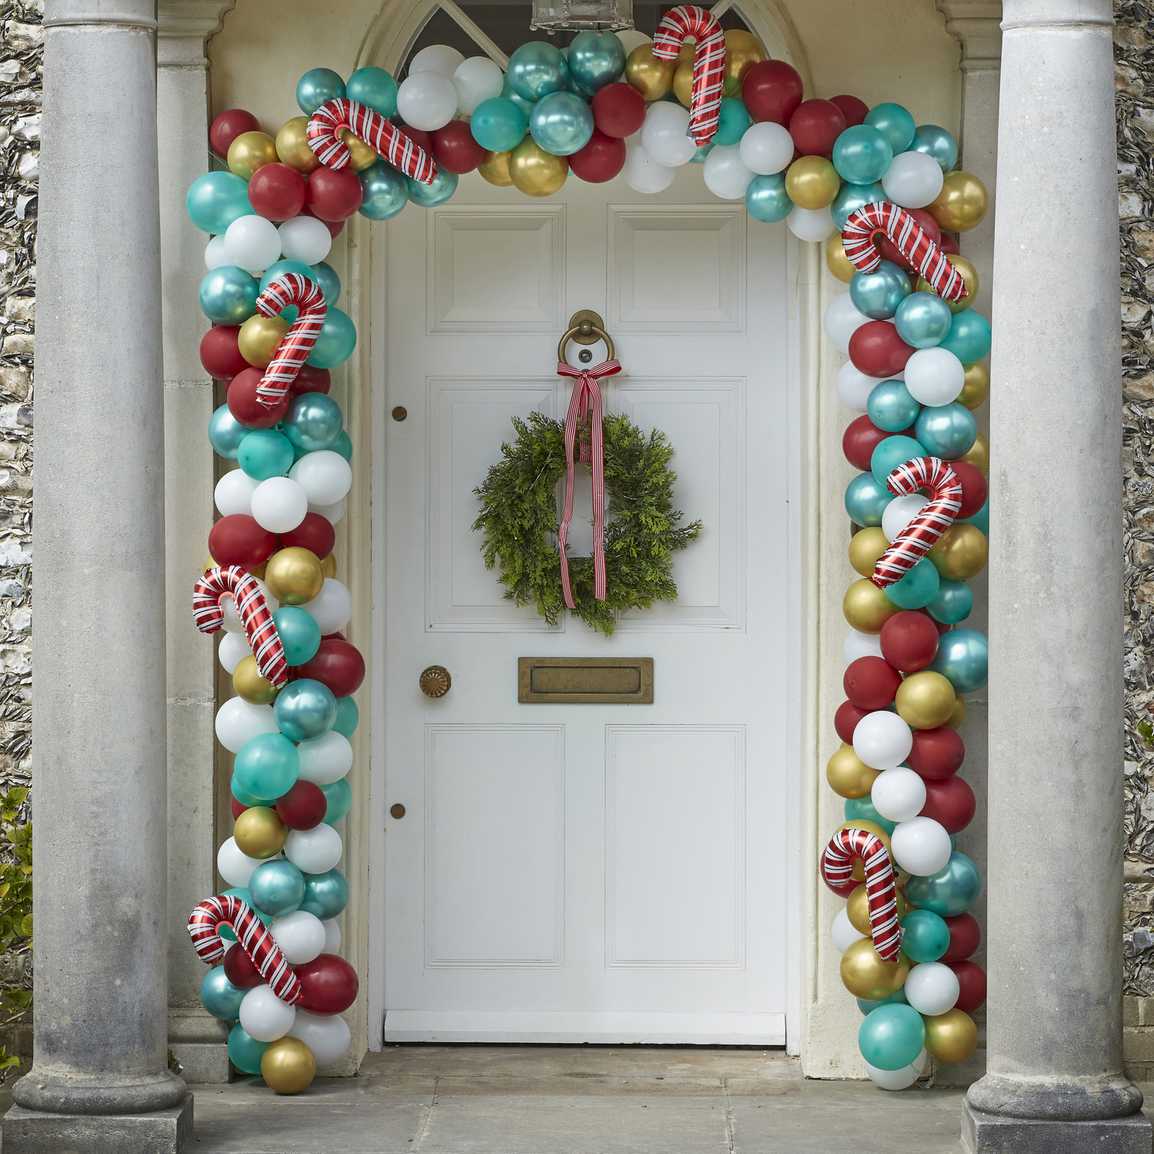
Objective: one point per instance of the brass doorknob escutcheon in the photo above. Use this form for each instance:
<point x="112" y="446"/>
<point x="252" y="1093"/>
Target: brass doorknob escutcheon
<point x="397" y="811"/>
<point x="435" y="681"/>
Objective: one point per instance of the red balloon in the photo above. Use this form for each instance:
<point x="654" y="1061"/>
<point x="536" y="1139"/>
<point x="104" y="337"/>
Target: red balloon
<point x="311" y="380"/>
<point x="600" y="160"/>
<point x="238" y="540"/>
<point x="244" y="405"/>
<point x="315" y="533"/>
<point x="846" y="719"/>
<point x="328" y="984"/>
<point x="949" y="243"/>
<point x="277" y="191"/>
<point x="853" y="109"/>
<point x="965" y="937"/>
<point x="909" y="640"/>
<point x="815" y="125"/>
<point x="220" y="352"/>
<point x="303" y="807"/>
<point x="237" y="807"/>
<point x="974" y="487"/>
<point x="227" y="126"/>
<point x="772" y="90"/>
<point x="859" y="440"/>
<point x="337" y="663"/>
<point x="239" y="970"/>
<point x="950" y="802"/>
<point x="876" y="349"/>
<point x="334" y="193"/>
<point x="937" y="753"/>
<point x="455" y="149"/>
<point x="932" y="229"/>
<point x="618" y="110"/>
<point x="871" y="683"/>
<point x="972" y="980"/>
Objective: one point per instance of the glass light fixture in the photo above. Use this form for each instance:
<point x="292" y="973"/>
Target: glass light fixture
<point x="562" y="15"/>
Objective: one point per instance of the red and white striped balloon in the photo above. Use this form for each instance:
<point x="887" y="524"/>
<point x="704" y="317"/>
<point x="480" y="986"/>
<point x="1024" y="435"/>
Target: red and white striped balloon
<point x="848" y="846"/>
<point x="678" y="25"/>
<point x="290" y="288"/>
<point x="254" y="613"/>
<point x="325" y="134"/>
<point x="936" y="516"/>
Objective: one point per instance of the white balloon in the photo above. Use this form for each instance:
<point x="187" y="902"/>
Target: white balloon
<point x="327" y="1035"/>
<point x="334" y="513"/>
<point x="324" y="475"/>
<point x="476" y="79"/>
<point x="233" y="492"/>
<point x="238" y="721"/>
<point x="233" y="865"/>
<point x="885" y="1079"/>
<point x="932" y="988"/>
<point x="427" y="100"/>
<point x="232" y="650"/>
<point x="934" y="376"/>
<point x="264" y="1016"/>
<point x="631" y="38"/>
<point x="215" y="253"/>
<point x="279" y="504"/>
<point x="325" y="759"/>
<point x="332" y="936"/>
<point x="314" y="851"/>
<point x="642" y="172"/>
<point x="811" y="223"/>
<point x="854" y="387"/>
<point x="252" y="243"/>
<point x="921" y="846"/>
<point x="900" y="512"/>
<point x="300" y="935"/>
<point x="843" y="932"/>
<point x="883" y="740"/>
<point x="440" y="58"/>
<point x="332" y="606"/>
<point x="841" y="321"/>
<point x="726" y="175"/>
<point x="898" y="794"/>
<point x="665" y="134"/>
<point x="858" y="644"/>
<point x="766" y="148"/>
<point x="913" y="179"/>
<point x="306" y="239"/>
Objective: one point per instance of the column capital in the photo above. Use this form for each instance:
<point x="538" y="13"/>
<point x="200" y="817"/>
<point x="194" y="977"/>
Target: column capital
<point x="119" y="13"/>
<point x="977" y="26"/>
<point x="184" y="27"/>
<point x="1057" y="14"/>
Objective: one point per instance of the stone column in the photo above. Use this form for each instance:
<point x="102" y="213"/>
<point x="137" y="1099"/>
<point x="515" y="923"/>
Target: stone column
<point x="1054" y="1029"/>
<point x="100" y="1079"/>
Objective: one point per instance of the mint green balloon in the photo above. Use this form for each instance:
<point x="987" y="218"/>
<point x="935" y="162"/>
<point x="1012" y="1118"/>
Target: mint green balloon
<point x="228" y="295"/>
<point x="314" y="421"/>
<point x="851" y="197"/>
<point x="862" y="809"/>
<point x="348" y="715"/>
<point x="340" y="798"/>
<point x="595" y="59"/>
<point x="337" y="339"/>
<point x="963" y="658"/>
<point x="499" y="123"/>
<point x="866" y="500"/>
<point x="925" y="936"/>
<point x="917" y="588"/>
<point x="734" y="119"/>
<point x="561" y="123"/>
<point x="765" y="196"/>
<point x="225" y="432"/>
<point x="892" y="1036"/>
<point x="265" y="453"/>
<point x="325" y="275"/>
<point x="949" y="892"/>
<point x="343" y="445"/>
<point x="895" y="999"/>
<point x="862" y="154"/>
<point x="280" y="267"/>
<point x="244" y="1051"/>
<point x="981" y="518"/>
<point x="376" y="88"/>
<point x="318" y="86"/>
<point x="947" y="431"/>
<point x="430" y="195"/>
<point x="216" y="199"/>
<point x="386" y="191"/>
<point x="325" y="894"/>
<point x="891" y="453"/>
<point x="277" y="887"/>
<point x="937" y="142"/>
<point x="304" y="708"/>
<point x="219" y="996"/>
<point x="923" y="320"/>
<point x="954" y="602"/>
<point x="878" y="294"/>
<point x="534" y="70"/>
<point x="299" y="633"/>
<point x="891" y="407"/>
<point x="969" y="337"/>
<point x="896" y="124"/>
<point x="267" y="766"/>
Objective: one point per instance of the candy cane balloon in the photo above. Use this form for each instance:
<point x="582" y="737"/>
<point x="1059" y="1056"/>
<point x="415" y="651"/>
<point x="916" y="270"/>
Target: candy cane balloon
<point x="866" y="225"/>
<point x="253" y="610"/>
<point x="837" y="862"/>
<point x="325" y="134"/>
<point x="253" y="937"/>
<point x="923" y="531"/>
<point x="290" y="288"/>
<point x="677" y="25"/>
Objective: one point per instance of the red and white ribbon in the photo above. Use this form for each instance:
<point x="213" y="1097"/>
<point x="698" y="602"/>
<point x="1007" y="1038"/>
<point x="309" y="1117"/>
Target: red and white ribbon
<point x="585" y="405"/>
<point x="253" y="937"/>
<point x="254" y="613"/>
<point x="837" y="862"/>
<point x="866" y="225"/>
<point x="290" y="288"/>
<point x="937" y="515"/>
<point x="678" y="25"/>
<point x="332" y="119"/>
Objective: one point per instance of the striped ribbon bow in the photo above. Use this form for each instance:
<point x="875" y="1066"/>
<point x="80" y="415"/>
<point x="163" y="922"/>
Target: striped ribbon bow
<point x="585" y="405"/>
<point x="837" y="862"/>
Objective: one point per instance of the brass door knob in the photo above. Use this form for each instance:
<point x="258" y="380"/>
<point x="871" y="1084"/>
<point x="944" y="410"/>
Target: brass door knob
<point x="435" y="681"/>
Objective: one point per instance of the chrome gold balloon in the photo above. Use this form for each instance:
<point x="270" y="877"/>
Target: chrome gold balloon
<point x="361" y="156"/>
<point x="537" y="172"/>
<point x="294" y="575"/>
<point x="683" y="82"/>
<point x="329" y="566"/>
<point x="836" y="260"/>
<point x="978" y="454"/>
<point x="866" y="607"/>
<point x="960" y="205"/>
<point x="259" y="337"/>
<point x="248" y="683"/>
<point x="288" y="1066"/>
<point x="259" y="832"/>
<point x="952" y="1036"/>
<point x="848" y="775"/>
<point x="867" y="975"/>
<point x="961" y="552"/>
<point x="651" y="77"/>
<point x="292" y="145"/>
<point x="812" y="182"/>
<point x="976" y="388"/>
<point x="742" y="49"/>
<point x="958" y="714"/>
<point x="250" y="151"/>
<point x="925" y="700"/>
<point x="865" y="547"/>
<point x="495" y="168"/>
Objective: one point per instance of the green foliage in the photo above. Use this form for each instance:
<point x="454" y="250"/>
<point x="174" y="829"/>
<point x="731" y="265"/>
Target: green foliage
<point x="15" y="907"/>
<point x="643" y="530"/>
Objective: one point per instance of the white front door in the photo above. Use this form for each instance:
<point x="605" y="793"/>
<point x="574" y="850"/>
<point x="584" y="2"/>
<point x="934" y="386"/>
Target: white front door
<point x="595" y="873"/>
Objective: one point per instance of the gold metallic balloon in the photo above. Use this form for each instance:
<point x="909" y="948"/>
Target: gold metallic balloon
<point x="812" y="182"/>
<point x="969" y="275"/>
<point x="877" y="831"/>
<point x="865" y="547"/>
<point x="683" y="82"/>
<point x="858" y="911"/>
<point x="288" y="1066"/>
<point x="976" y="389"/>
<point x="361" y="156"/>
<point x="952" y="1036"/>
<point x="742" y="49"/>
<point x="294" y="575"/>
<point x="495" y="168"/>
<point x="259" y="337"/>
<point x="848" y="775"/>
<point x="248" y="683"/>
<point x="259" y="832"/>
<point x="329" y="566"/>
<point x="867" y="975"/>
<point x="958" y="715"/>
<point x="210" y="563"/>
<point x="961" y="204"/>
<point x="866" y="607"/>
<point x="537" y="172"/>
<point x="836" y="260"/>
<point x="961" y="552"/>
<point x="925" y="700"/>
<point x="249" y="151"/>
<point x="651" y="77"/>
<point x="978" y="454"/>
<point x="292" y="145"/>
<point x="258" y="570"/>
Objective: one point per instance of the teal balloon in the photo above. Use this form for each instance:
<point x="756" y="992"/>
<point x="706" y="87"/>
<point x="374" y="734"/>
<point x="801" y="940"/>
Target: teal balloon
<point x="267" y="766"/>
<point x="325" y="275"/>
<point x="969" y="337"/>
<point x="245" y="799"/>
<point x="303" y="709"/>
<point x="964" y="658"/>
<point x="314" y="421"/>
<point x="219" y="996"/>
<point x="734" y="119"/>
<point x="937" y="142"/>
<point x="947" y="431"/>
<point x="954" y="602"/>
<point x="343" y="445"/>
<point x="981" y="518"/>
<point x="595" y="59"/>
<point x="299" y="633"/>
<point x="228" y="295"/>
<point x="430" y="195"/>
<point x="766" y="198"/>
<point x="891" y="408"/>
<point x="225" y="432"/>
<point x="892" y="1036"/>
<point x="862" y="809"/>
<point x="878" y="294"/>
<point x="499" y="123"/>
<point x="923" y="320"/>
<point x="949" y="892"/>
<point x="318" y="86"/>
<point x="526" y="106"/>
<point x="280" y="267"/>
<point x="561" y="123"/>
<point x="385" y="191"/>
<point x="866" y="500"/>
<point x="891" y="453"/>
<point x="705" y="149"/>
<point x="340" y="798"/>
<point x="216" y="199"/>
<point x="337" y="339"/>
<point x="244" y="1051"/>
<point x="897" y="998"/>
<point x="925" y="936"/>
<point x="851" y="197"/>
<point x="374" y="87"/>
<point x="348" y="716"/>
<point x="862" y="154"/>
<point x="277" y="887"/>
<point x="536" y="69"/>
<point x="265" y="453"/>
<point x="917" y="588"/>
<point x="325" y="894"/>
<point x="242" y="893"/>
<point x="895" y="123"/>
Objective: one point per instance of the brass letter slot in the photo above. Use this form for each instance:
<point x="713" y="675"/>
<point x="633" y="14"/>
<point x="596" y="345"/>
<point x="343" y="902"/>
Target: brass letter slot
<point x="585" y="680"/>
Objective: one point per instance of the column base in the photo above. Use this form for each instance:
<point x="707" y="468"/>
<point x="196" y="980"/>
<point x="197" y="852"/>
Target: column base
<point x="161" y="1132"/>
<point x="984" y="1133"/>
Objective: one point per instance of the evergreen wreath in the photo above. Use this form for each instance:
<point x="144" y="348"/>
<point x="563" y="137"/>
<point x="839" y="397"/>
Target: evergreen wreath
<point x="642" y="530"/>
